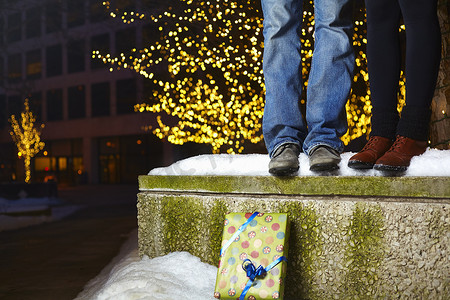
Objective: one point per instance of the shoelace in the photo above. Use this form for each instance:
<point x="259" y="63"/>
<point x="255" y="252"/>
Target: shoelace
<point x="281" y="149"/>
<point x="399" y="141"/>
<point x="372" y="140"/>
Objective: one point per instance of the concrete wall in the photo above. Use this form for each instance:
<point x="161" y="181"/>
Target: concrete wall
<point x="356" y="245"/>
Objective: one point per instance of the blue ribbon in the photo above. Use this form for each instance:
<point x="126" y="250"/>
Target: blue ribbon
<point x="253" y="272"/>
<point x="238" y="232"/>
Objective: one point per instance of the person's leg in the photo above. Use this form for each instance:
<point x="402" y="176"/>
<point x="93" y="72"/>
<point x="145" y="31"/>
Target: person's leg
<point x="282" y="121"/>
<point x="423" y="53"/>
<point x="383" y="59"/>
<point x="331" y="74"/>
<point x="329" y="81"/>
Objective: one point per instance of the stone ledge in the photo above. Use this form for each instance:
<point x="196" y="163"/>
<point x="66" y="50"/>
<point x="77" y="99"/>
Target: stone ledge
<point x="416" y="187"/>
<point x="352" y="246"/>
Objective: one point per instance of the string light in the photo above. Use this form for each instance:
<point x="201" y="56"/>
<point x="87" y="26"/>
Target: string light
<point x="27" y="137"/>
<point x="214" y="84"/>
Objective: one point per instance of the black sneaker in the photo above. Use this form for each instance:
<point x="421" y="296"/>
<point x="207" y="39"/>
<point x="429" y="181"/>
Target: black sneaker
<point x="284" y="161"/>
<point x="324" y="158"/>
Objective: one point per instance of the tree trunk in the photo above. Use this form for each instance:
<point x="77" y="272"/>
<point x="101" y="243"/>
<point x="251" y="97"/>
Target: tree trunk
<point x="27" y="168"/>
<point x="440" y="118"/>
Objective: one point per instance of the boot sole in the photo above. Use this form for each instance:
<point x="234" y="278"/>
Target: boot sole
<point x="283" y="171"/>
<point x="323" y="167"/>
<point x="387" y="168"/>
<point x="359" y="165"/>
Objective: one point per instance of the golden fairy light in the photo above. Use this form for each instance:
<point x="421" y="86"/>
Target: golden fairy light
<point x="27" y="137"/>
<point x="213" y="82"/>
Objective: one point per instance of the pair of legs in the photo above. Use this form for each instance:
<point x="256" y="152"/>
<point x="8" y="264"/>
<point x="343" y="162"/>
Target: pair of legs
<point x="423" y="51"/>
<point x="329" y="80"/>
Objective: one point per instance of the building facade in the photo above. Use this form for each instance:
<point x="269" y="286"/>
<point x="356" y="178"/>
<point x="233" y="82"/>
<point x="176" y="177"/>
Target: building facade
<point x="92" y="133"/>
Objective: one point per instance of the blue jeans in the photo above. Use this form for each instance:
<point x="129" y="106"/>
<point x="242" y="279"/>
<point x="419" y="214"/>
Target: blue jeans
<point x="329" y="81"/>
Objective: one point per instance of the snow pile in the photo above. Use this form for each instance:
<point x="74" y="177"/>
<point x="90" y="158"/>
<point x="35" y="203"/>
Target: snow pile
<point x="178" y="275"/>
<point x="432" y="163"/>
<point x="25" y="205"/>
<point x="26" y="212"/>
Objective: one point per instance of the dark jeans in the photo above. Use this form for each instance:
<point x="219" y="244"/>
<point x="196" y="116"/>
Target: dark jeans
<point x="423" y="53"/>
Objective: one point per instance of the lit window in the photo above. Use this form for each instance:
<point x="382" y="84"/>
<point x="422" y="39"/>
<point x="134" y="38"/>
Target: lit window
<point x="34" y="64"/>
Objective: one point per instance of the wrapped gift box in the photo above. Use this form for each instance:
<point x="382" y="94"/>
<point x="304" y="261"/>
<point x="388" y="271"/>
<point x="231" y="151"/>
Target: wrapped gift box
<point x="263" y="241"/>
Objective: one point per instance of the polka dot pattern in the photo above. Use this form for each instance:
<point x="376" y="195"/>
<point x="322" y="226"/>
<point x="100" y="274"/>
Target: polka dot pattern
<point x="263" y="241"/>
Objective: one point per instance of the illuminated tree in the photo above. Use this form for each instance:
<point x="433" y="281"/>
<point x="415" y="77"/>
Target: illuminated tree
<point x="27" y="137"/>
<point x="213" y="84"/>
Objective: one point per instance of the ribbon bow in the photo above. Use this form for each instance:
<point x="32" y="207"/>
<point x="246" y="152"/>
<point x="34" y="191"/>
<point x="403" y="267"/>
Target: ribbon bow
<point x="253" y="272"/>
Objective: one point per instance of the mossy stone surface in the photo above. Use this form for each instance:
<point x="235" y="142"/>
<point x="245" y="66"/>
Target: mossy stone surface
<point x="411" y="187"/>
<point x="339" y="248"/>
<point x="364" y="251"/>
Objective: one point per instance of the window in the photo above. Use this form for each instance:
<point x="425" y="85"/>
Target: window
<point x="99" y="43"/>
<point x="44" y="164"/>
<point x="53" y="16"/>
<point x="75" y="56"/>
<point x="77" y="102"/>
<point x="62" y="163"/>
<point x="77" y="147"/>
<point x="14" y="27"/>
<point x="35" y="102"/>
<point x="2" y="30"/>
<point x="75" y="13"/>
<point x="54" y="105"/>
<point x="125" y="5"/>
<point x="151" y="4"/>
<point x="97" y="11"/>
<point x="125" y="40"/>
<point x="126" y="96"/>
<point x="15" y="68"/>
<point x="14" y="106"/>
<point x="100" y="95"/>
<point x="3" y="112"/>
<point x="34" y="64"/>
<point x="148" y="89"/>
<point x="54" y="60"/>
<point x="33" y="22"/>
<point x="109" y="158"/>
<point x="2" y="70"/>
<point x="150" y="33"/>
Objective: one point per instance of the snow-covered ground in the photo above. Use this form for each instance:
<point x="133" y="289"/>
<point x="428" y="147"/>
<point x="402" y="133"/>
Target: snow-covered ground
<point x="180" y="275"/>
<point x="25" y="212"/>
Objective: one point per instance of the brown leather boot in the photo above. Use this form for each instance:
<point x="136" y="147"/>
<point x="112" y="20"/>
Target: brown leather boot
<point x="398" y="157"/>
<point x="375" y="148"/>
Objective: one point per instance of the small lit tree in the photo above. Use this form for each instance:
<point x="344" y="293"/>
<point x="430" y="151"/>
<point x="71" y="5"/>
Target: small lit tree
<point x="27" y="137"/>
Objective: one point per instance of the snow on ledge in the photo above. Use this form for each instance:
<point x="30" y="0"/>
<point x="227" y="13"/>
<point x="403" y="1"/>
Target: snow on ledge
<point x="432" y="163"/>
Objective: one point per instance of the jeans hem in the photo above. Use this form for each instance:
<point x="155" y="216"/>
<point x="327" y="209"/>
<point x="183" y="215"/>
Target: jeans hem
<point x="283" y="143"/>
<point x="315" y="145"/>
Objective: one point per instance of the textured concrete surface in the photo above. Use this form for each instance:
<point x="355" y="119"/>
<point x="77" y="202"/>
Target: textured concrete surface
<point x="56" y="260"/>
<point x="400" y="187"/>
<point x="341" y="247"/>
